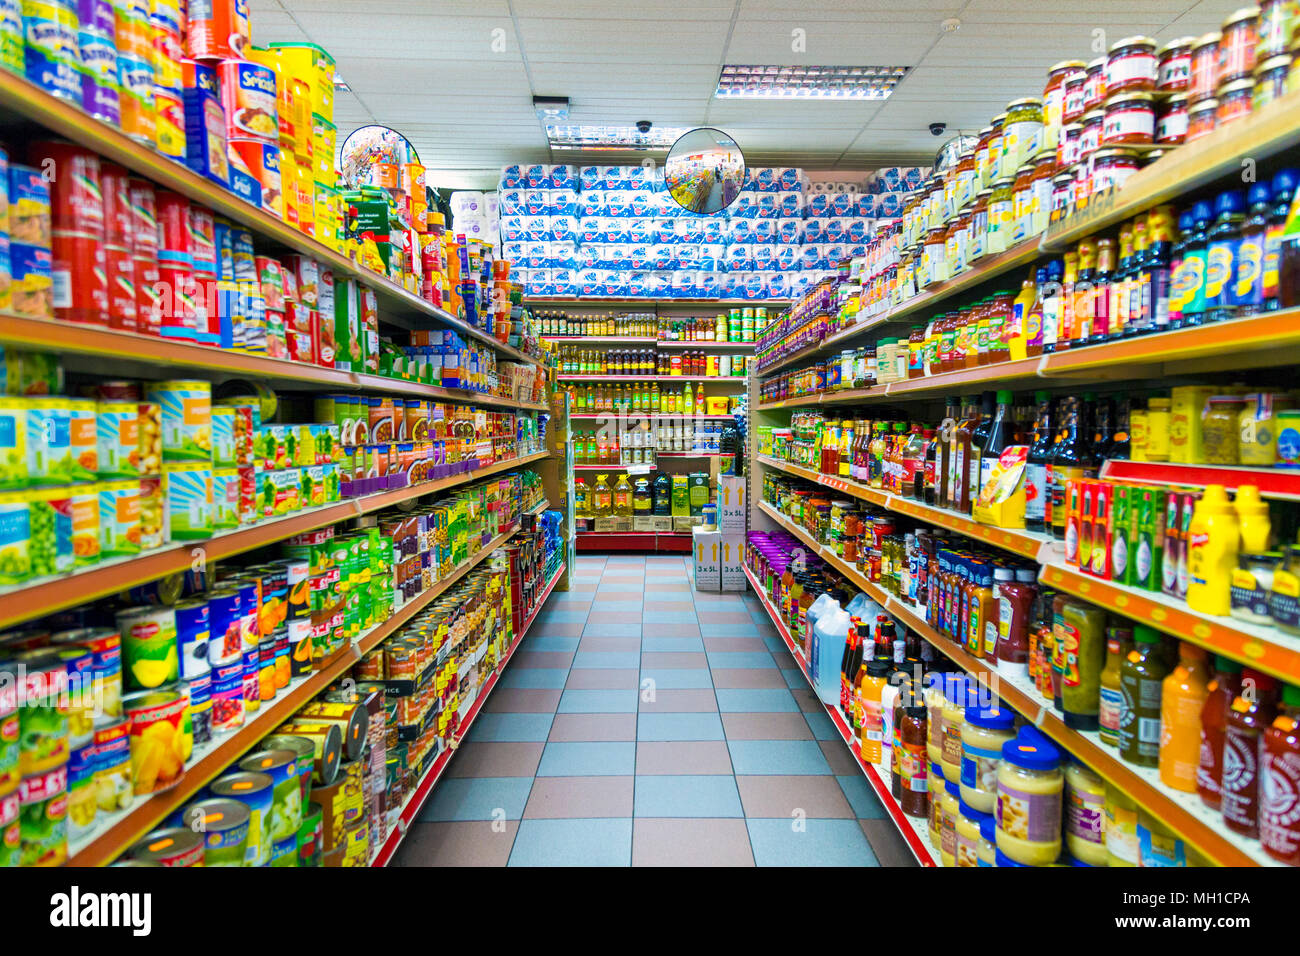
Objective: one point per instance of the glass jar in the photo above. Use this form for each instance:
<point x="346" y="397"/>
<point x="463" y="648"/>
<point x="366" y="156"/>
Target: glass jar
<point x="1067" y="150"/>
<point x="1270" y="80"/>
<point x="968" y="834"/>
<point x="1174" y="69"/>
<point x="1202" y="119"/>
<point x="936" y="202"/>
<point x="958" y="257"/>
<point x="1205" y="68"/>
<point x="1235" y="100"/>
<point x="1130" y="119"/>
<point x="1221" y="429"/>
<point x="975" y="338"/>
<point x="1252" y="582"/>
<point x="1062" y="196"/>
<point x="1076" y="94"/>
<point x="1237" y="46"/>
<point x="977" y="243"/>
<point x="1111" y="168"/>
<point x="1171" y="123"/>
<point x="1054" y="106"/>
<point x="1132" y="66"/>
<point x="1001" y="215"/>
<point x="1288" y="438"/>
<point x="1021" y="204"/>
<point x="1085" y="814"/>
<point x="987" y="851"/>
<point x="949" y="810"/>
<point x="1094" y="90"/>
<point x="1040" y="191"/>
<point x="1030" y="785"/>
<point x="964" y="189"/>
<point x="982" y="158"/>
<point x="995" y="149"/>
<point x="1090" y="135"/>
<point x="935" y="257"/>
<point x="1022" y="132"/>
<point x="985" y="731"/>
<point x="1275" y="28"/>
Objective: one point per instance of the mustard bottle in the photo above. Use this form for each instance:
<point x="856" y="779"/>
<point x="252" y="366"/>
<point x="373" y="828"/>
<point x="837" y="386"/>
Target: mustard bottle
<point x="1212" y="544"/>
<point x="1252" y="519"/>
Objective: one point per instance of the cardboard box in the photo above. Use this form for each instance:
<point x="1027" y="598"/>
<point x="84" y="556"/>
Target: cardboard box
<point x="622" y="525"/>
<point x="733" y="563"/>
<point x="707" y="548"/>
<point x="661" y="524"/>
<point x="643" y="523"/>
<point x="681" y="525"/>
<point x="731" y="504"/>
<point x="605" y="525"/>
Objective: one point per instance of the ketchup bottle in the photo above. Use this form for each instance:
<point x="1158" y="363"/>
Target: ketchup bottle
<point x="1223" y="689"/>
<point x="1279" y="782"/>
<point x="1251" y="711"/>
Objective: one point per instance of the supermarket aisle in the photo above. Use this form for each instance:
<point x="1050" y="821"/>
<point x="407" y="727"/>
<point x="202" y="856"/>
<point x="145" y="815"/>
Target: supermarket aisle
<point x="708" y="765"/>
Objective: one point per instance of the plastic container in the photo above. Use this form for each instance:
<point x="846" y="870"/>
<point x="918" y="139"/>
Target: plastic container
<point x="983" y="734"/>
<point x="1030" y="787"/>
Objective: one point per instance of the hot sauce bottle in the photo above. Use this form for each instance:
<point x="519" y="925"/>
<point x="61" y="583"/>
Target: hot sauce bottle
<point x="1252" y="710"/>
<point x="1279" y="784"/>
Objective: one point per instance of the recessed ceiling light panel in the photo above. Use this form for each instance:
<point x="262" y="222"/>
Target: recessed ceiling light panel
<point x="580" y="136"/>
<point x="751" y="81"/>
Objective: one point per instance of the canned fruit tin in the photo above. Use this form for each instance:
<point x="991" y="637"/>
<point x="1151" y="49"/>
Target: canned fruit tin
<point x="42" y="725"/>
<point x="309" y="837"/>
<point x="192" y="638"/>
<point x="117" y="438"/>
<point x="43" y="816"/>
<point x="225" y="641"/>
<point x="83" y="441"/>
<point x="149" y="647"/>
<point x="286" y="796"/>
<point x="149" y="451"/>
<point x="186" y="408"/>
<point x="50" y="56"/>
<point x="105" y="645"/>
<point x="52" y="543"/>
<point x="159" y="746"/>
<point x="228" y="696"/>
<point x="114" y="789"/>
<point x="152" y="517"/>
<point x="15" y="537"/>
<point x="11" y="58"/>
<point x="10" y="734"/>
<point x="304" y="752"/>
<point x="255" y="791"/>
<point x="327" y="744"/>
<point x="31" y="285"/>
<point x="188" y="492"/>
<point x="11" y="839"/>
<point x="119" y="518"/>
<point x="174" y="846"/>
<point x="77" y="701"/>
<point x="13" y="442"/>
<point x="29" y="207"/>
<point x="82" y="803"/>
<point x="135" y="82"/>
<point x="223" y="826"/>
<point x="199" y="690"/>
<point x="261" y="160"/>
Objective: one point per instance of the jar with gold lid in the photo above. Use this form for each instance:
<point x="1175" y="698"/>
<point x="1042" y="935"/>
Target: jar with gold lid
<point x="1132" y="66"/>
<point x="1022" y="132"/>
<point x="1021" y="204"/>
<point x="982" y="158"/>
<point x="1040" y="189"/>
<point x="977" y="243"/>
<point x="1129" y="120"/>
<point x="1171" y="120"/>
<point x="1094" y="90"/>
<point x="1174" y="66"/>
<point x="1001" y="215"/>
<point x="1054" y="97"/>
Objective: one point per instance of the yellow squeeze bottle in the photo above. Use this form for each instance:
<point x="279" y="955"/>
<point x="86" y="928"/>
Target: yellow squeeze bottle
<point x="1212" y="542"/>
<point x="1252" y="519"/>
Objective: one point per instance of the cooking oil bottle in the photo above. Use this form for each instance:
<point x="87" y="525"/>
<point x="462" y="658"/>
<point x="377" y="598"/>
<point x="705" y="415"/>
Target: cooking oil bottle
<point x="602" y="497"/>
<point x="623" y="497"/>
<point x="581" y="498"/>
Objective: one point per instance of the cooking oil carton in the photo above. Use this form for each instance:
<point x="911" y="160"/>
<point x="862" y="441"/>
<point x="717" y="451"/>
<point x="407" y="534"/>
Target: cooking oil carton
<point x="731" y="504"/>
<point x="707" y="547"/>
<point x="732" y="565"/>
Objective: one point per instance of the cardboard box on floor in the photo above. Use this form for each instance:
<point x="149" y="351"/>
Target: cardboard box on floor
<point x="731" y="504"/>
<point x="707" y="547"/>
<point x="732" y="566"/>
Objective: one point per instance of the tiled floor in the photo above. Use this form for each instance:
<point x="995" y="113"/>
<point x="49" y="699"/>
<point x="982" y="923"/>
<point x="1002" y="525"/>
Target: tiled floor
<point x="643" y="724"/>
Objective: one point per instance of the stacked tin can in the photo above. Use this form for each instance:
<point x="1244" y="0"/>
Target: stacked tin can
<point x="52" y="57"/>
<point x="135" y="70"/>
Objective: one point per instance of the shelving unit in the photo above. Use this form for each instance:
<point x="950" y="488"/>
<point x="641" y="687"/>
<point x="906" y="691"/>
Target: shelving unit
<point x="661" y="541"/>
<point x="633" y="379"/>
<point x="416" y="799"/>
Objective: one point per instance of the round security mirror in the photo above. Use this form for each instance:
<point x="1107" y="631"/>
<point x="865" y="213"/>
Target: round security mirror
<point x="704" y="171"/>
<point x="374" y="156"/>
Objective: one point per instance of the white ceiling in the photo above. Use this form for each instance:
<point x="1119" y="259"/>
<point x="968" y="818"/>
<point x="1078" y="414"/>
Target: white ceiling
<point x="458" y="76"/>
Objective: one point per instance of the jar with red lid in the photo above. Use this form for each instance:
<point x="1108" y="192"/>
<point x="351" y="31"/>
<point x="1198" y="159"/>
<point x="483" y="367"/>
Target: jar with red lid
<point x="1054" y="97"/>
<point x="1202" y="119"/>
<point x="1171" y="120"/>
<point x="1237" y="46"/>
<point x="1090" y="135"/>
<point x="1205" y="67"/>
<point x="1174" y="66"/>
<point x="1131" y="65"/>
<point x="1094" y="88"/>
<point x="1270" y="80"/>
<point x="1111" y="168"/>
<point x="1067" y="150"/>
<point x="1274" y="30"/>
<point x="1130" y="120"/>
<point x="1235" y="100"/>
<point x="1062" y="196"/>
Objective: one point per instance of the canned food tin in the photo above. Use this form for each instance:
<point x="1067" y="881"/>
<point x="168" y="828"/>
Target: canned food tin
<point x="98" y="66"/>
<point x="186" y="418"/>
<point x="11" y="58"/>
<point x="119" y="518"/>
<point x="249" y="93"/>
<point x="152" y="518"/>
<point x="228" y="696"/>
<point x="149" y="647"/>
<point x="117" y="437"/>
<point x="218" y="30"/>
<point x="159" y="745"/>
<point x="43" y="828"/>
<point x="192" y="635"/>
<point x="105" y="644"/>
<point x="76" y="193"/>
<point x="223" y="826"/>
<point x="225" y="499"/>
<point x="304" y="751"/>
<point x="51" y="58"/>
<point x="286" y="795"/>
<point x="31" y="286"/>
<point x="42" y="725"/>
<point x="113" y="787"/>
<point x="135" y="83"/>
<point x="352" y="719"/>
<point x="11" y="838"/>
<point x="255" y="791"/>
<point x="77" y="702"/>
<point x="188" y="491"/>
<point x="50" y="533"/>
<point x="114" y="184"/>
<point x="174" y="846"/>
<point x="200" y="693"/>
<point x="82" y="803"/>
<point x="10" y="735"/>
<point x="261" y="160"/>
<point x="148" y="296"/>
<point x="309" y="837"/>
<point x="327" y="741"/>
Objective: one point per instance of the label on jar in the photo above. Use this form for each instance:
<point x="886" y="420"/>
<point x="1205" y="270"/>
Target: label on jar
<point x="1248" y="599"/>
<point x="1035" y="817"/>
<point x="1172" y="127"/>
<point x="1111" y="702"/>
<point x="979" y="768"/>
<point x="912" y="766"/>
<point x="1128" y="125"/>
<point x="1122" y="70"/>
<point x="1085" y="815"/>
<point x="1121" y="833"/>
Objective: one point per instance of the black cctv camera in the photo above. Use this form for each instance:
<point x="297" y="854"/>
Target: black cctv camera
<point x="937" y="129"/>
<point x="643" y="126"/>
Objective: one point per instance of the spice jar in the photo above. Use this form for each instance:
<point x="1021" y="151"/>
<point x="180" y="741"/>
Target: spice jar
<point x="1235" y="100"/>
<point x="1205" y="67"/>
<point x="1094" y="89"/>
<point x="1131" y="66"/>
<point x="1022" y="132"/>
<point x="1111" y="168"/>
<point x="1221" y="429"/>
<point x="1030" y="785"/>
<point x="1202" y="119"/>
<point x="1174" y="65"/>
<point x="985" y="731"/>
<point x="1237" y="46"/>
<point x="1129" y="119"/>
<point x="1054" y="97"/>
<point x="1270" y="80"/>
<point x="1171" y="121"/>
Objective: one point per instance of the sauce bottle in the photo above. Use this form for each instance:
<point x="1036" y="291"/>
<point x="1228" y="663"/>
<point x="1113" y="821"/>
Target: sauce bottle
<point x="1194" y="267"/>
<point x="943" y="453"/>
<point x="1182" y="698"/>
<point x="1154" y="282"/>
<point x="1212" y="542"/>
<point x="1040" y="452"/>
<point x="870" y="692"/>
<point x="1140" y="684"/>
<point x="1283" y="188"/>
<point x="1123" y="288"/>
<point x="1103" y="276"/>
<point x="913" y="778"/>
<point x="1279" y="783"/>
<point x="999" y="435"/>
<point x="1178" y="273"/>
<point x="1065" y="319"/>
<point x="1252" y="710"/>
<point x="1084" y="285"/>
<point x="982" y="608"/>
<point x="1026" y="325"/>
<point x="1223" y="240"/>
<point x="1221" y="691"/>
<point x="1084" y="631"/>
<point x="1246" y="285"/>
<point x="1071" y="460"/>
<point x="1119" y="641"/>
<point x="979" y="435"/>
<point x="959" y="456"/>
<point x="1050" y="290"/>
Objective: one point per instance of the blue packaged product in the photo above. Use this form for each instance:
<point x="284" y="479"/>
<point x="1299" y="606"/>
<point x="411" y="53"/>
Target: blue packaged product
<point x="206" y="147"/>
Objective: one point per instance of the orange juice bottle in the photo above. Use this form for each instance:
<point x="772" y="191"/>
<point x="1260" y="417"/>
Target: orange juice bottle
<point x="873" y="685"/>
<point x="1182" y="698"/>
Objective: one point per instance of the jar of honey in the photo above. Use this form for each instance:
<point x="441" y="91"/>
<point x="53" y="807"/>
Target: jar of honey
<point x="1174" y="66"/>
<point x="1131" y="66"/>
<point x="1171" y="123"/>
<point x="1129" y="120"/>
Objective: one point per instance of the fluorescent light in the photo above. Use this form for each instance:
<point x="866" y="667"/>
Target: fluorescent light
<point x="809" y="82"/>
<point x="551" y="108"/>
<point x="580" y="136"/>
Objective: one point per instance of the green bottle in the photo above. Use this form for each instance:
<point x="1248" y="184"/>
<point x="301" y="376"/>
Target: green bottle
<point x="1140" y="678"/>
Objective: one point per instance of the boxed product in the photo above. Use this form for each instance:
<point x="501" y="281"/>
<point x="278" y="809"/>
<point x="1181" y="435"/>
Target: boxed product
<point x="732" y="562"/>
<point x="731" y="504"/>
<point x="707" y="548"/>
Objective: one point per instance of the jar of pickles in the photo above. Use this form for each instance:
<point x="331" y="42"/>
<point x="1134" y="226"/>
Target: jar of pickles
<point x="1001" y="215"/>
<point x="1022" y="132"/>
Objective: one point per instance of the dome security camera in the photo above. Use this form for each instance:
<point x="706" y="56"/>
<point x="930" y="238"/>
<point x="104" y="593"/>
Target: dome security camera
<point x="643" y="126"/>
<point x="937" y="129"/>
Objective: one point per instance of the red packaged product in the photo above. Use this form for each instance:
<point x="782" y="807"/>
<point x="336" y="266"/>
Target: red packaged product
<point x="178" y="301"/>
<point x="1247" y="718"/>
<point x="1279" y="801"/>
<point x="217" y="30"/>
<point x="119" y="269"/>
<point x="203" y="243"/>
<point x="119" y="223"/>
<point x="144" y="215"/>
<point x="76" y="194"/>
<point x="173" y="211"/>
<point x="148" y="316"/>
<point x="79" y="281"/>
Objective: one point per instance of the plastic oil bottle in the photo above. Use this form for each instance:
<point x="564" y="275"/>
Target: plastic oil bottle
<point x="602" y="497"/>
<point x="1212" y="544"/>
<point x="623" y="497"/>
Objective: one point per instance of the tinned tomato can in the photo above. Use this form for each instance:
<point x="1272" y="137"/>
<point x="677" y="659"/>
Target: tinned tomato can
<point x="76" y="192"/>
<point x="144" y="215"/>
<point x="114" y="184"/>
<point x="202" y="238"/>
<point x="173" y="218"/>
<point x="119" y="272"/>
<point x="148" y="300"/>
<point x="80" y="281"/>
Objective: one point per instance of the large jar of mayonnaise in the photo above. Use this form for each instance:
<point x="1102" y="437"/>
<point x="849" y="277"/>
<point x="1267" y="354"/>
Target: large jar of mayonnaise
<point x="1030" y="783"/>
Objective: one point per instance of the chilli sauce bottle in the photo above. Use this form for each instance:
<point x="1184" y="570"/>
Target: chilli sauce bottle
<point x="1279" y="782"/>
<point x="1119" y="641"/>
<point x="1222" y="690"/>
<point x="1251" y="711"/>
